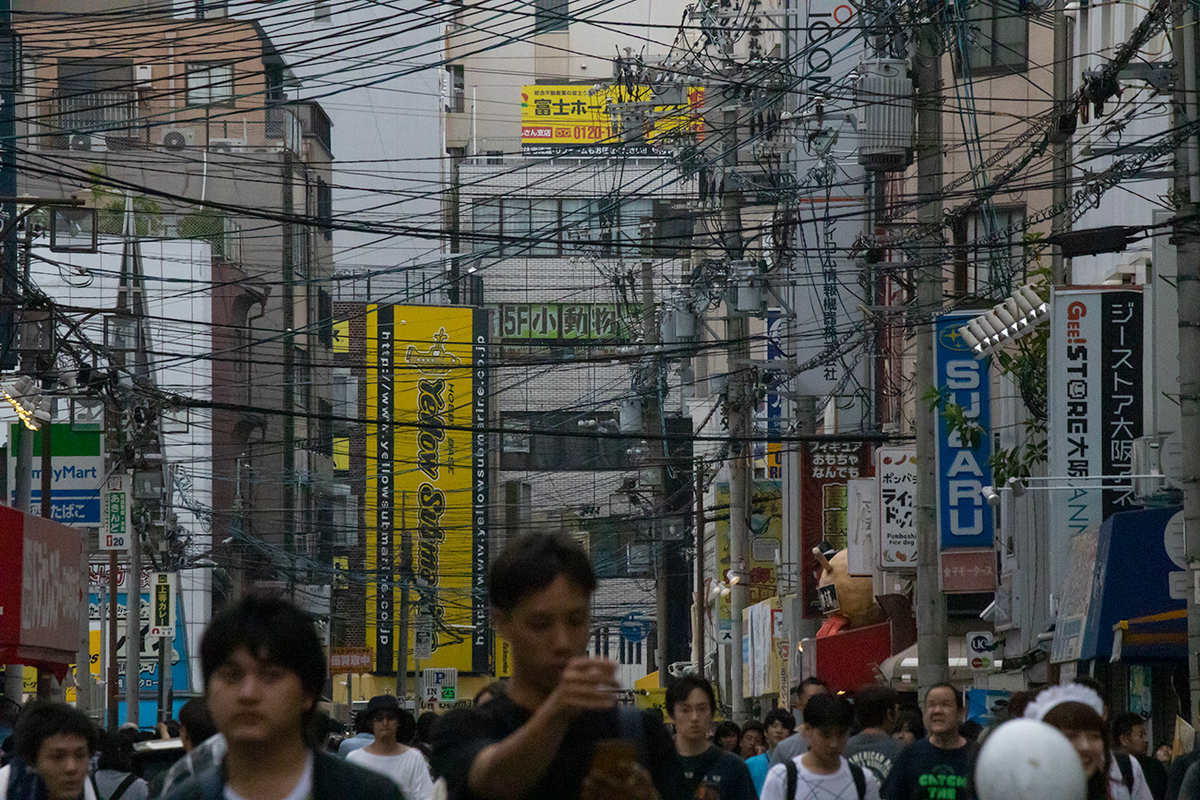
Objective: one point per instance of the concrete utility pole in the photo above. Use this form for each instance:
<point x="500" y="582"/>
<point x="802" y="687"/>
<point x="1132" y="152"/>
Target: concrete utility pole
<point x="932" y="649"/>
<point x="737" y="328"/>
<point x="1061" y="148"/>
<point x="652" y="429"/>
<point x="1187" y="244"/>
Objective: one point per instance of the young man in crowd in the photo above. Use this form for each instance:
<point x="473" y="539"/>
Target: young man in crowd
<point x="710" y="772"/>
<point x="877" y="709"/>
<point x="1149" y="780"/>
<point x="795" y="744"/>
<point x="944" y="758"/>
<point x="549" y="734"/>
<point x="823" y="771"/>
<point x="778" y="725"/>
<point x="389" y="753"/>
<point x="361" y="738"/>
<point x="54" y="745"/>
<point x="264" y="669"/>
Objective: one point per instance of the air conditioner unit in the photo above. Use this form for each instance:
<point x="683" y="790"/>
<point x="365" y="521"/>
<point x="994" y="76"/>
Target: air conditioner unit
<point x="85" y="142"/>
<point x="226" y="145"/>
<point x="1160" y="456"/>
<point x="177" y="138"/>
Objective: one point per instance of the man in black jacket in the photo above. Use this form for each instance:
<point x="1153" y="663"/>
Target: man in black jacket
<point x="263" y="671"/>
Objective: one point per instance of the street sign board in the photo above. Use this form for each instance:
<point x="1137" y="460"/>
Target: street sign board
<point x="114" y="513"/>
<point x="440" y="685"/>
<point x="162" y="604"/>
<point x="981" y="648"/>
<point x="344" y="660"/>
<point x="423" y="638"/>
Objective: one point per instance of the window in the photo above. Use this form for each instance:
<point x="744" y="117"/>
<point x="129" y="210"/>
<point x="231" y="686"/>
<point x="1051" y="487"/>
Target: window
<point x="322" y="11"/>
<point x="495" y="157"/>
<point x="325" y="318"/>
<point x="325" y="208"/>
<point x="458" y="89"/>
<point x="983" y="267"/>
<point x="550" y="15"/>
<point x="209" y="84"/>
<point x="999" y="36"/>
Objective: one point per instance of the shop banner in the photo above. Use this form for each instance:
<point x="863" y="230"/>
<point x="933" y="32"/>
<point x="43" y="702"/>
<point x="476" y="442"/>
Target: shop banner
<point x="427" y="451"/>
<point x="825" y="470"/>
<point x="766" y="531"/>
<point x="897" y="471"/>
<point x="964" y="517"/>
<point x="863" y="525"/>
<point x="1094" y="406"/>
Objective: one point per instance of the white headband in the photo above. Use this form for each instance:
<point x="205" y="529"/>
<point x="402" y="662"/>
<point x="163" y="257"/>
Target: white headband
<point x="1067" y="693"/>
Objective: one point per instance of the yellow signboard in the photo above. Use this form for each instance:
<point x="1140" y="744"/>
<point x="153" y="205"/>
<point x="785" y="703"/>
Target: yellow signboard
<point x="583" y="120"/>
<point x="427" y="466"/>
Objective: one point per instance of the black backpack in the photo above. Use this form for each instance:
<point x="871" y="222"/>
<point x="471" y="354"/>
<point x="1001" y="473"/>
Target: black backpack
<point x="793" y="778"/>
<point x="1123" y="764"/>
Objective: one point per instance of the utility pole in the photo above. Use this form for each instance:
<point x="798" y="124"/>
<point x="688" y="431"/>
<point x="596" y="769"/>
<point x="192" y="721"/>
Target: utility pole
<point x="405" y="577"/>
<point x="737" y="334"/>
<point x="698" y="595"/>
<point x="1061" y="143"/>
<point x="1186" y="237"/>
<point x="932" y="649"/>
<point x="655" y="454"/>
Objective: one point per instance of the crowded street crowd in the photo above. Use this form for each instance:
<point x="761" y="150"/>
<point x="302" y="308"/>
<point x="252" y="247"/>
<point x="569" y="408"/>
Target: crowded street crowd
<point x="555" y="729"/>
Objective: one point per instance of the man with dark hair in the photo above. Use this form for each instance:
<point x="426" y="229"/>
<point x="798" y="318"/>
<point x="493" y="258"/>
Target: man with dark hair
<point x="264" y="669"/>
<point x="195" y="724"/>
<point x="54" y="745"/>
<point x="362" y="735"/>
<point x="795" y="745"/>
<point x="390" y="754"/>
<point x="873" y="748"/>
<point x="779" y="725"/>
<point x="711" y="772"/>
<point x="822" y="771"/>
<point x="1129" y="745"/>
<point x="943" y="758"/>
<point x="114" y="768"/>
<point x="544" y="737"/>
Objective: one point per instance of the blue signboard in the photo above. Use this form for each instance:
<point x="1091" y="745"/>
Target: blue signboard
<point x="180" y="679"/>
<point x="964" y="517"/>
<point x="987" y="706"/>
<point x="1135" y="559"/>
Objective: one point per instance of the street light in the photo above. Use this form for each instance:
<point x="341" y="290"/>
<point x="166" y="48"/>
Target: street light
<point x="1018" y="315"/>
<point x="32" y="408"/>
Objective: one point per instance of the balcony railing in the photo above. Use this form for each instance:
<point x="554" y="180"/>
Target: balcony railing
<point x="111" y="113"/>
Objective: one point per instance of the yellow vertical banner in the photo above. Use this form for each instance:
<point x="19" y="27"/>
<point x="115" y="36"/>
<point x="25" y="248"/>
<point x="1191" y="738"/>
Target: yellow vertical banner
<point x="428" y="483"/>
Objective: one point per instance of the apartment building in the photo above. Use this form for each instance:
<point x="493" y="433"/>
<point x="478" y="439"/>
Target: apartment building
<point x="190" y="118"/>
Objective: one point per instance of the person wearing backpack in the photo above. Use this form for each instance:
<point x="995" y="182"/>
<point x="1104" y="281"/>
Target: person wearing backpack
<point x="822" y="773"/>
<point x="114" y="768"/>
<point x="710" y="772"/>
<point x="1141" y="777"/>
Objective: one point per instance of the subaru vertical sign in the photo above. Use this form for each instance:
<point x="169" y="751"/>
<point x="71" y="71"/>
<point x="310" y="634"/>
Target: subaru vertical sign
<point x="964" y="518"/>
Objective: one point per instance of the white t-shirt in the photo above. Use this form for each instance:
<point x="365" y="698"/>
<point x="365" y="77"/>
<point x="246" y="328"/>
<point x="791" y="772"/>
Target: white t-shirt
<point x="409" y="770"/>
<point x="1116" y="786"/>
<point x="303" y="790"/>
<point x="811" y="786"/>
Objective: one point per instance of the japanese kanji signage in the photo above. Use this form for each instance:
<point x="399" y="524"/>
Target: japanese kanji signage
<point x="963" y="468"/>
<point x="1095" y="406"/>
<point x="439" y="685"/>
<point x="114" y="513"/>
<point x="162" y="604"/>
<point x="567" y="322"/>
<point x="349" y="660"/>
<point x="968" y="570"/>
<point x="583" y="121"/>
<point x="897" y="471"/>
<point x="825" y="469"/>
